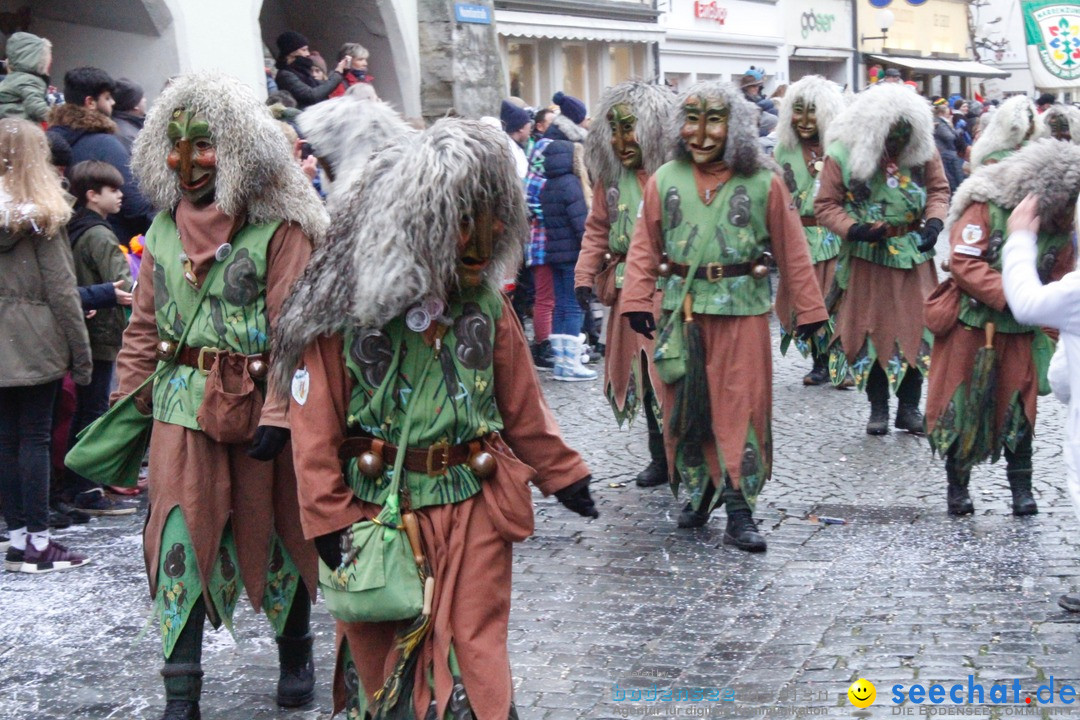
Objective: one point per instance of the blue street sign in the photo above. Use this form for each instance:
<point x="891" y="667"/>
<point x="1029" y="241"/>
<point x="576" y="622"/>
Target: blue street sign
<point x="880" y="3"/>
<point x="916" y="2"/>
<point x="466" y="13"/>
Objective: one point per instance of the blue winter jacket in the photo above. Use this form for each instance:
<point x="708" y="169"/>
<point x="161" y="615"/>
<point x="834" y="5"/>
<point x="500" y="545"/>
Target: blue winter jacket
<point x="562" y="198"/>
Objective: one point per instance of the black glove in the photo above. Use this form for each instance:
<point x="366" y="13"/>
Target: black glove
<point x="865" y="232"/>
<point x="576" y="497"/>
<point x="643" y="323"/>
<point x="930" y="231"/>
<point x="806" y="331"/>
<point x="329" y="548"/>
<point x="584" y="297"/>
<point x="268" y="443"/>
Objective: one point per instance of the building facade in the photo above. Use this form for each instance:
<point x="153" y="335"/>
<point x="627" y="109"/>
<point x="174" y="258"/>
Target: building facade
<point x="818" y="35"/>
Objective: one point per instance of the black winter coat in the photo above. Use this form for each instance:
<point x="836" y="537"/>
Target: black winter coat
<point x="297" y="80"/>
<point x="562" y="200"/>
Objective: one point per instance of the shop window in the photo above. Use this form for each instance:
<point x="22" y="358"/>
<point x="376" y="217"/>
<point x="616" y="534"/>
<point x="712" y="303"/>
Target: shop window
<point x="521" y="67"/>
<point x="575" y="64"/>
<point x="620" y="63"/>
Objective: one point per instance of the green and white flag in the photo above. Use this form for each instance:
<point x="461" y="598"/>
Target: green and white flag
<point x="1052" y="34"/>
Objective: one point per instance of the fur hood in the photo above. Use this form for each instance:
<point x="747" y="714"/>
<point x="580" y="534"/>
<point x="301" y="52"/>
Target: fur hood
<point x="394" y="236"/>
<point x="1006" y="129"/>
<point x="1071" y="112"/>
<point x="1047" y="168"/>
<point x="568" y="128"/>
<point x="82" y="119"/>
<point x="652" y="105"/>
<point x="742" y="151"/>
<point x="345" y="132"/>
<point x="256" y="172"/>
<point x="814" y="90"/>
<point x="863" y="126"/>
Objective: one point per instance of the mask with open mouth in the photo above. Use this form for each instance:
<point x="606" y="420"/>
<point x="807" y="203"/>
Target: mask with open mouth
<point x="478" y="232"/>
<point x="804" y="120"/>
<point x="705" y="128"/>
<point x="193" y="155"/>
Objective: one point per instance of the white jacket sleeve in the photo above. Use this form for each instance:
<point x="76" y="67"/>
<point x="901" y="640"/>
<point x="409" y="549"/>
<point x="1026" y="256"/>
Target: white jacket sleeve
<point x="1058" y="374"/>
<point x="1056" y="305"/>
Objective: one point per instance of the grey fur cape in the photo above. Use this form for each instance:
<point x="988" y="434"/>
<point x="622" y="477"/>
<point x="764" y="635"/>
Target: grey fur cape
<point x="652" y="105"/>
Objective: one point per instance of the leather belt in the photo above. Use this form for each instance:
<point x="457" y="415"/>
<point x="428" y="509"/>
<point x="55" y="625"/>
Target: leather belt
<point x="714" y="272"/>
<point x="808" y="220"/>
<point x="892" y="231"/>
<point x="203" y="359"/>
<point x="612" y="258"/>
<point x="433" y="460"/>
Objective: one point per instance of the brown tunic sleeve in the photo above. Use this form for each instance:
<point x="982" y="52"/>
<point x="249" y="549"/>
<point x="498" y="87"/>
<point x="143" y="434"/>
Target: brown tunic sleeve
<point x="829" y="204"/>
<point x="137" y="360"/>
<point x="529" y="426"/>
<point x="937" y="189"/>
<point x="594" y="243"/>
<point x="971" y="272"/>
<point x="643" y="260"/>
<point x="287" y="255"/>
<point x="792" y="255"/>
<point x="318" y="427"/>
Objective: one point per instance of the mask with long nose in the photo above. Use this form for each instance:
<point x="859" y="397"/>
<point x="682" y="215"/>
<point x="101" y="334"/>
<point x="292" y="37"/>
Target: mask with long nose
<point x="705" y="128"/>
<point x="623" y="124"/>
<point x="193" y="155"/>
<point x="476" y="246"/>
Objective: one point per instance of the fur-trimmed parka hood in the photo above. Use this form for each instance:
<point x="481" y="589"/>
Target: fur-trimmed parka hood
<point x="814" y="90"/>
<point x="1069" y="112"/>
<point x="1006" y="129"/>
<point x="863" y="126"/>
<point x="80" y="119"/>
<point x="1046" y="168"/>
<point x="394" y="237"/>
<point x="256" y="171"/>
<point x="652" y="105"/>
<point x="563" y="128"/>
<point x="742" y="151"/>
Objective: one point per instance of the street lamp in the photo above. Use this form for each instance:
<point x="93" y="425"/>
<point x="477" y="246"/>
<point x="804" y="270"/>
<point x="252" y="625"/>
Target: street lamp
<point x="885" y="20"/>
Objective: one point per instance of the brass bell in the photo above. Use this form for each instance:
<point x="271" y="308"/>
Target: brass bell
<point x="760" y="271"/>
<point x="607" y="257"/>
<point x="370" y="465"/>
<point x="257" y="369"/>
<point x="165" y="349"/>
<point x="482" y="464"/>
<point x="973" y="303"/>
<point x="664" y="269"/>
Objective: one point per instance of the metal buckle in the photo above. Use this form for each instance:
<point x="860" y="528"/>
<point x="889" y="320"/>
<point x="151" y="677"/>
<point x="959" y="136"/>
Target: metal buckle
<point x="714" y="272"/>
<point x="443" y="449"/>
<point x="202" y="356"/>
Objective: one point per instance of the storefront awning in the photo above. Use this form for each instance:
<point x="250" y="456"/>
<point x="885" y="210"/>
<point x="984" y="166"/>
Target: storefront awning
<point x="509" y="23"/>
<point x="934" y="66"/>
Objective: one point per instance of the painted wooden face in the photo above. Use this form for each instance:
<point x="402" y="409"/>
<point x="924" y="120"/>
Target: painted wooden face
<point x="1059" y="127"/>
<point x="476" y="246"/>
<point x="705" y="128"/>
<point x="898" y="138"/>
<point x="624" y="142"/>
<point x="804" y="119"/>
<point x="193" y="156"/>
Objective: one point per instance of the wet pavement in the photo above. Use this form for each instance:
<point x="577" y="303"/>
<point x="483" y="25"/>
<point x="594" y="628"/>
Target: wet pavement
<point x="901" y="594"/>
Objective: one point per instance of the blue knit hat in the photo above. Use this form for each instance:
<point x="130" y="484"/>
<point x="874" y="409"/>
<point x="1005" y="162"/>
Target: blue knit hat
<point x="571" y="107"/>
<point x="513" y="118"/>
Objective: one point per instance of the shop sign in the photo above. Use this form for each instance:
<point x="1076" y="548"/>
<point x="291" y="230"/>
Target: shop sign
<point x="812" y="22"/>
<point x="710" y="11"/>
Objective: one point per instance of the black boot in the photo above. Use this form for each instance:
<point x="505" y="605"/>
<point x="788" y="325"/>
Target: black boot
<point x="543" y="355"/>
<point x="691" y="518"/>
<point x="742" y="532"/>
<point x="957" y="498"/>
<point x="655" y="473"/>
<point x="1018" y="471"/>
<point x="877" y="392"/>
<point x="908" y="416"/>
<point x="819" y="375"/>
<point x="183" y="669"/>
<point x="296" y="678"/>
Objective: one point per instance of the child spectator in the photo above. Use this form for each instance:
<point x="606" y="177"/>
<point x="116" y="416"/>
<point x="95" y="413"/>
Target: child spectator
<point x="23" y="91"/>
<point x="98" y="259"/>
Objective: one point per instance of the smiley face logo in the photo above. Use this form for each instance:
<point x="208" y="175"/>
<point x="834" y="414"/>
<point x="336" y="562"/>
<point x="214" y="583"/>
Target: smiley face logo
<point x="862" y="693"/>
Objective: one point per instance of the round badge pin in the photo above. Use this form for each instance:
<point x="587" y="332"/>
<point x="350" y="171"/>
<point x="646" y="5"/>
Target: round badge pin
<point x="893" y="182"/>
<point x="223" y="252"/>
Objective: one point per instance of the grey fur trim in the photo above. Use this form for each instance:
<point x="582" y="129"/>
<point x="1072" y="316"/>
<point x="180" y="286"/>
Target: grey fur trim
<point x="1006" y="129"/>
<point x="814" y="90"/>
<point x="1071" y="112"/>
<point x="395" y="232"/>
<point x="570" y="129"/>
<point x="863" y="126"/>
<point x="256" y="172"/>
<point x="1047" y="168"/>
<point x="652" y="105"/>
<point x="742" y="151"/>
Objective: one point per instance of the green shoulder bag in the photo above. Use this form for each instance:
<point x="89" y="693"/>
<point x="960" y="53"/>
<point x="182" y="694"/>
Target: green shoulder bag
<point x="669" y="357"/>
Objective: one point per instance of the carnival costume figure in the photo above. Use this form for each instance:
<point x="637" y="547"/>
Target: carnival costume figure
<point x="884" y="190"/>
<point x="1062" y="122"/>
<point x="965" y="423"/>
<point x="708" y="220"/>
<point x="237" y="227"/>
<point x="407" y="368"/>
<point x="627" y="143"/>
<point x="805" y="113"/>
<point x="1009" y="128"/>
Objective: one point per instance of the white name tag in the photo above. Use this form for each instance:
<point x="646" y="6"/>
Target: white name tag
<point x="967" y="250"/>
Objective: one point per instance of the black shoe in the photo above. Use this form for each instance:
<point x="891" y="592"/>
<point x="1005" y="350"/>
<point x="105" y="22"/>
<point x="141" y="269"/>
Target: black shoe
<point x="654" y="474"/>
<point x="691" y="518"/>
<point x="1024" y="503"/>
<point x="1069" y="602"/>
<point x="296" y="681"/>
<point x="910" y="419"/>
<point x="742" y="532"/>
<point x="817" y="376"/>
<point x="77" y="516"/>
<point x="181" y="710"/>
<point x="543" y="355"/>
<point x="879" y="419"/>
<point x="958" y="500"/>
<point x="94" y="502"/>
<point x="58" y="520"/>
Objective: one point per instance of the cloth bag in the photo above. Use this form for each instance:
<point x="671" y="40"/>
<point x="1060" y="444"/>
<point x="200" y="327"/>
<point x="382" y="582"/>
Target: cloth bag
<point x="942" y="308"/>
<point x="605" y="284"/>
<point x="669" y="358"/>
<point x="110" y="450"/>
<point x="231" y="404"/>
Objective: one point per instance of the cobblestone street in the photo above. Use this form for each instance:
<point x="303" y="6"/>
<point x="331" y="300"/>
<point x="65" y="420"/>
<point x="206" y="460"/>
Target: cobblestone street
<point x="901" y="594"/>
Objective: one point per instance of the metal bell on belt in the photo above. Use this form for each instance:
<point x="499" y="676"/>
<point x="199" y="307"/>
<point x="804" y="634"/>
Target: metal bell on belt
<point x="759" y="271"/>
<point x="165" y="349"/>
<point x="370" y="465"/>
<point x="257" y="369"/>
<point x="664" y="268"/>
<point x="607" y="257"/>
<point x="482" y="464"/>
